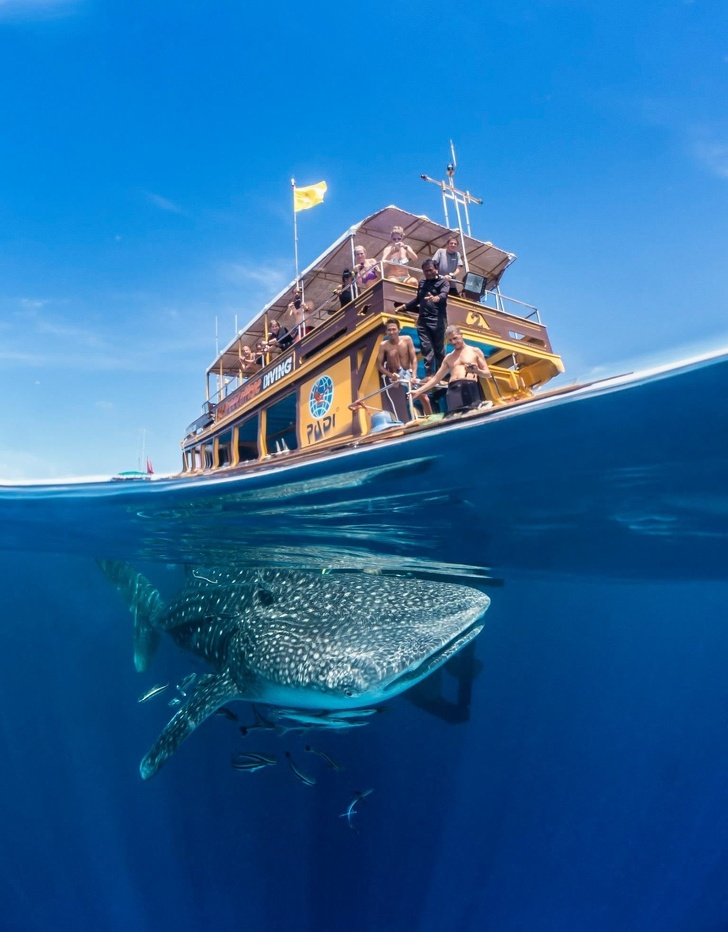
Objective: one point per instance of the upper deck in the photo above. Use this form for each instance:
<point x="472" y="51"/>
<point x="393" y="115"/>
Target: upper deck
<point x="253" y="412"/>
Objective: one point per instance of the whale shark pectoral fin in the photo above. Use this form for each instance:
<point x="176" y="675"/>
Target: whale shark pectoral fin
<point x="212" y="691"/>
<point x="145" y="603"/>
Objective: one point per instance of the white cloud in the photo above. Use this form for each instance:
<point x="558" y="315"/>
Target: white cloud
<point x="32" y="303"/>
<point x="705" y="141"/>
<point x="712" y="155"/>
<point x="273" y="276"/>
<point x="36" y="9"/>
<point x="64" y="331"/>
<point x="164" y="203"/>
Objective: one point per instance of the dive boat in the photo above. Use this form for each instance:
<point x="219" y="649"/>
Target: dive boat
<point x="324" y="393"/>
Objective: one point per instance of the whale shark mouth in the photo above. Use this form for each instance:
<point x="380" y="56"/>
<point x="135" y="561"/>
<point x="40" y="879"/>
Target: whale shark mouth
<point x="419" y="671"/>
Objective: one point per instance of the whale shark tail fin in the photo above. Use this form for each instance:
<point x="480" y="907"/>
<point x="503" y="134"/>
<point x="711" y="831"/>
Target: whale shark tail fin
<point x="211" y="691"/>
<point x="145" y="603"/>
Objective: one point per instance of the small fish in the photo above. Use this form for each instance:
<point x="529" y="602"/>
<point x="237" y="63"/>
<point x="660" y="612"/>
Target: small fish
<point x="230" y="716"/>
<point x="359" y="713"/>
<point x="251" y="762"/>
<point x="351" y="808"/>
<point x="185" y="684"/>
<point x="151" y="693"/>
<point x="174" y="702"/>
<point x="266" y="758"/>
<point x="323" y="756"/>
<point x="304" y="778"/>
<point x="314" y="720"/>
<point x="260" y="722"/>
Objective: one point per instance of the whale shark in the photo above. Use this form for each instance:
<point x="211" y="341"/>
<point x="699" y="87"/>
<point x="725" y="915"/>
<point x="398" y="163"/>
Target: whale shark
<point x="298" y="639"/>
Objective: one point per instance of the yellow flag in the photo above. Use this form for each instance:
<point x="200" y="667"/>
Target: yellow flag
<point x="303" y="198"/>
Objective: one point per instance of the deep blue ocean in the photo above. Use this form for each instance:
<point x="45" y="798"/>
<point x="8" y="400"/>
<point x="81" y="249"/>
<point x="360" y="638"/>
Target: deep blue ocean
<point x="588" y="789"/>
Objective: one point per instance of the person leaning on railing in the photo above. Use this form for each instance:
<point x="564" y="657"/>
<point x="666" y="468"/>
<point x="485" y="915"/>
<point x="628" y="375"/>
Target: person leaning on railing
<point x="449" y="263"/>
<point x="366" y="271"/>
<point x="279" y="338"/>
<point x="465" y="365"/>
<point x="300" y="311"/>
<point x="397" y="256"/>
<point x="344" y="289"/>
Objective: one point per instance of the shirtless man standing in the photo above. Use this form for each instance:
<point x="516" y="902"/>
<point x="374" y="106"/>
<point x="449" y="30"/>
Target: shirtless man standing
<point x="300" y="311"/>
<point x="465" y="365"/>
<point x="397" y="359"/>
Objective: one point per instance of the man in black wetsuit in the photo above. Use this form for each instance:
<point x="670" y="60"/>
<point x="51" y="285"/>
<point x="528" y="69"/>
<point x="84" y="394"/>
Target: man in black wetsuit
<point x="431" y="301"/>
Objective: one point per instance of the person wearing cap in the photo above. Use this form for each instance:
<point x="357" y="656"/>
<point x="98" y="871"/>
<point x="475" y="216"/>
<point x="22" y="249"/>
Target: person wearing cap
<point x="449" y="262"/>
<point x="300" y="311"/>
<point x="397" y="256"/>
<point x="344" y="289"/>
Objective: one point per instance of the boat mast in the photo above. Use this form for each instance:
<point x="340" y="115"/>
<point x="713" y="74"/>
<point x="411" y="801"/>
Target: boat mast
<point x="459" y="199"/>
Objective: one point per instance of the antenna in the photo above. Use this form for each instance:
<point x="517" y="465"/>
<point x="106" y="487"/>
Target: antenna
<point x="458" y="197"/>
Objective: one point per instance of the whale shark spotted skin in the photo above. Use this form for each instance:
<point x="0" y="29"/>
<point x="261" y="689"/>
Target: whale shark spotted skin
<point x="303" y="640"/>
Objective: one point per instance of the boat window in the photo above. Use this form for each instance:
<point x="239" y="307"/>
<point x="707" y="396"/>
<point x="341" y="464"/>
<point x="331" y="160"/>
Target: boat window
<point x="196" y="458"/>
<point x="207" y="453"/>
<point x="248" y="440"/>
<point x="225" y="448"/>
<point x="280" y="424"/>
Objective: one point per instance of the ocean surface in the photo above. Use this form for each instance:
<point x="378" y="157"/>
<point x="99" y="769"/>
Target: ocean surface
<point x="582" y="787"/>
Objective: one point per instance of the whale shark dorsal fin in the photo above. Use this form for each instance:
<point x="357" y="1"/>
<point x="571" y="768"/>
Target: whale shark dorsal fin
<point x="144" y="602"/>
<point x="212" y="691"/>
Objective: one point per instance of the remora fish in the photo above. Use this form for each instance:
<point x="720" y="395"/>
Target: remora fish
<point x="151" y="693"/>
<point x="252" y="762"/>
<point x="351" y="808"/>
<point x="297" y="639"/>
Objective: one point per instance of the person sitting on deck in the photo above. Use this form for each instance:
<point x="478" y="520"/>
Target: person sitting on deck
<point x="465" y="365"/>
<point x="397" y="256"/>
<point x="397" y="359"/>
<point x="449" y="262"/>
<point x="366" y="271"/>
<point x="278" y="337"/>
<point x="247" y="360"/>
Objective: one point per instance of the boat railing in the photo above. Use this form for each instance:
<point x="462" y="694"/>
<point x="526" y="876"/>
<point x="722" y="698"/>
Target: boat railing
<point x="319" y="316"/>
<point x="497" y="301"/>
<point x="494" y="300"/>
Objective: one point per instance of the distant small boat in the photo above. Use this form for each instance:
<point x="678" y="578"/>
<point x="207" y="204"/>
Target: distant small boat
<point x="131" y="474"/>
<point x="136" y="473"/>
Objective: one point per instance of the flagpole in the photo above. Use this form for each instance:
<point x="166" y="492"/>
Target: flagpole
<point x="295" y="227"/>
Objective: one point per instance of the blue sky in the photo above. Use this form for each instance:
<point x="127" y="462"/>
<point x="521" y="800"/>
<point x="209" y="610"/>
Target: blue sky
<point x="146" y="157"/>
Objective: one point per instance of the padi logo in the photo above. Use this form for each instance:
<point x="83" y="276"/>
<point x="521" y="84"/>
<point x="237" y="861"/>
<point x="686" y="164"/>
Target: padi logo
<point x="277" y="372"/>
<point x="321" y="396"/>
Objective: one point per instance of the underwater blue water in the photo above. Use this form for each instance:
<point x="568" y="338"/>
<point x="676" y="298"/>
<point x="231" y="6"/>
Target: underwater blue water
<point x="587" y="790"/>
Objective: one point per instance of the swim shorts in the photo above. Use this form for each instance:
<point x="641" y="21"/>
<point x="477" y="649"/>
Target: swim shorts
<point x="463" y="393"/>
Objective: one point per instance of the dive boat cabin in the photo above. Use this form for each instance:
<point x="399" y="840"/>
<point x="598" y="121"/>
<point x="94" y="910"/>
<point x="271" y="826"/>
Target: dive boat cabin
<point x="323" y="391"/>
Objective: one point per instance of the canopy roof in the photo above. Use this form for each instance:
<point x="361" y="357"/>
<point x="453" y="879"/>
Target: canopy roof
<point x="324" y="274"/>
